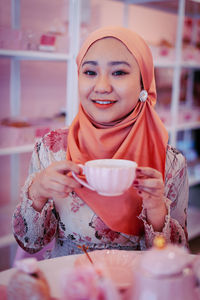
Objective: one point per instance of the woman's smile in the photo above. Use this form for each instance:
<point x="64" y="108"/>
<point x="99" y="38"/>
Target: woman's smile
<point x="104" y="103"/>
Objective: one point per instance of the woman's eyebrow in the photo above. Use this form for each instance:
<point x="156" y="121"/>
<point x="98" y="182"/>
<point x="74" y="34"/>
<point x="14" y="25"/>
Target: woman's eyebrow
<point x="111" y="63"/>
<point x="90" y="62"/>
<point x="115" y="63"/>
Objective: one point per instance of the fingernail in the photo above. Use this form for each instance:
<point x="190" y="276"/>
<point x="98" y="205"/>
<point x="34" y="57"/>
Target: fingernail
<point x="136" y="182"/>
<point x="139" y="192"/>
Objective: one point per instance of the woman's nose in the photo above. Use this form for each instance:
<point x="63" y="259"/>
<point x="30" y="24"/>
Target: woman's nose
<point x="103" y="85"/>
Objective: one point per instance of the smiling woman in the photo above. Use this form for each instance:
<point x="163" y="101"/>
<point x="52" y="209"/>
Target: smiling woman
<point x="116" y="120"/>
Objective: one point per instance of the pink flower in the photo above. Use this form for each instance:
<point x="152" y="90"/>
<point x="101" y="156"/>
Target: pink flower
<point x="87" y="238"/>
<point x="181" y="173"/>
<point x="20" y="228"/>
<point x="76" y="204"/>
<point x="102" y="231"/>
<point x="56" y="140"/>
<point x="169" y="176"/>
<point x="61" y="233"/>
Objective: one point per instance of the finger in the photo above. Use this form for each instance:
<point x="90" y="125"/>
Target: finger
<point x="148" y="183"/>
<point x="72" y="183"/>
<point x="55" y="187"/>
<point x="148" y="172"/>
<point x="150" y="192"/>
<point x="58" y="195"/>
<point x="66" y="166"/>
<point x="59" y="178"/>
<point x="65" y="181"/>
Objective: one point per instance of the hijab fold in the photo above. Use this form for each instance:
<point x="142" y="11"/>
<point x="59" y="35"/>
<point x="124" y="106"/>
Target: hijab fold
<point x="140" y="136"/>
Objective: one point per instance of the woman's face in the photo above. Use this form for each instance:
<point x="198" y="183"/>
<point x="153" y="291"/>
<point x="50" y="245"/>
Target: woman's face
<point x="109" y="81"/>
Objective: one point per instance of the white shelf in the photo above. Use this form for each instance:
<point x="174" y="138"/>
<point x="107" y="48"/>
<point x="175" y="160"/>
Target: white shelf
<point x="193" y="180"/>
<point x="7" y="240"/>
<point x="165" y="63"/>
<point x="193" y="222"/>
<point x="34" y="55"/>
<point x="184" y="126"/>
<point x="17" y="149"/>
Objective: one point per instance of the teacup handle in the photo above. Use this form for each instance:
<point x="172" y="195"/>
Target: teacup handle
<point x="83" y="182"/>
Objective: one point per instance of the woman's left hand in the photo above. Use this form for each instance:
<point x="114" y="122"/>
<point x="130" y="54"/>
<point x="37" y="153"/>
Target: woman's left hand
<point x="150" y="186"/>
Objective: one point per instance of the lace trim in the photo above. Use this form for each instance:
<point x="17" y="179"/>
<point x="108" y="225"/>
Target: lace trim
<point x="26" y="203"/>
<point x="149" y="231"/>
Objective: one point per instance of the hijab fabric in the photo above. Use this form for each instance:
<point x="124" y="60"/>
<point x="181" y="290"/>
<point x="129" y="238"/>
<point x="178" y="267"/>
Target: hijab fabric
<point x="140" y="136"/>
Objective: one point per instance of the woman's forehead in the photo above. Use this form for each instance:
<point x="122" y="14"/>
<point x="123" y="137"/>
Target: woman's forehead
<point x="109" y="47"/>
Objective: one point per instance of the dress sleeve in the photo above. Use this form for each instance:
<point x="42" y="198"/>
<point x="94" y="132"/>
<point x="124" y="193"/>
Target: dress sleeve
<point x="176" y="199"/>
<point x="32" y="229"/>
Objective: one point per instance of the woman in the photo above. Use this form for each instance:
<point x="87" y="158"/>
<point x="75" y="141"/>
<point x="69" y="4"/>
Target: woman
<point x="116" y="119"/>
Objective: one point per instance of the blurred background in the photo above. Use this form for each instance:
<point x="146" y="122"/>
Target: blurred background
<point x="39" y="40"/>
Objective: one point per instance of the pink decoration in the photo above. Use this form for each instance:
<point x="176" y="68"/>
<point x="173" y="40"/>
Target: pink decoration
<point x="28" y="265"/>
<point x="86" y="283"/>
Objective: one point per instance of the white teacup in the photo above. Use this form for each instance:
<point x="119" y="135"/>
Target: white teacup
<point x="108" y="177"/>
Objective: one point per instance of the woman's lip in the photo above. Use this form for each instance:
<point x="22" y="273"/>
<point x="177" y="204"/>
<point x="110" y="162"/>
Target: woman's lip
<point x="103" y="103"/>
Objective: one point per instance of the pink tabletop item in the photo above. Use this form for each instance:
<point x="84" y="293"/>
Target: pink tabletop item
<point x="165" y="272"/>
<point x="28" y="265"/>
<point x="115" y="264"/>
<point x="28" y="282"/>
<point x="3" y="292"/>
<point x="85" y="282"/>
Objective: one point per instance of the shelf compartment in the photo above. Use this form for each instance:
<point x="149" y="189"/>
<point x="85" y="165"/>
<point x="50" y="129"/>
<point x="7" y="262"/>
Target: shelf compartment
<point x="170" y="6"/>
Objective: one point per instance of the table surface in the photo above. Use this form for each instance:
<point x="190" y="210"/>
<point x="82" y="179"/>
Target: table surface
<point x="53" y="269"/>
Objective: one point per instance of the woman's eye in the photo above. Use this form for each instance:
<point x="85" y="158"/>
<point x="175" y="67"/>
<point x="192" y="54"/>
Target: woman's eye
<point x="90" y="73"/>
<point x="119" y="73"/>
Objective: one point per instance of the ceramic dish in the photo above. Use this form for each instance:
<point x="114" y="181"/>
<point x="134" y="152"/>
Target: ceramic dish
<point x="116" y="264"/>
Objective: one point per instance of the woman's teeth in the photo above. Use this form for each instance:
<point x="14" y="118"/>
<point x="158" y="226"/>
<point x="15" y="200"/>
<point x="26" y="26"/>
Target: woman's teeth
<point x="103" y="102"/>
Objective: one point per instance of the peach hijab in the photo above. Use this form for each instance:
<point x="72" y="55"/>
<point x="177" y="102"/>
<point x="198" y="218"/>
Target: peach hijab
<point x="140" y="136"/>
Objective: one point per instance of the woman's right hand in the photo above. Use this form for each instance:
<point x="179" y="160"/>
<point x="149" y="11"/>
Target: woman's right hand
<point x="53" y="182"/>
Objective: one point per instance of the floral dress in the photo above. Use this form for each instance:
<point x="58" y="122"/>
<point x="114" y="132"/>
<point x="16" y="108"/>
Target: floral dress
<point x="72" y="223"/>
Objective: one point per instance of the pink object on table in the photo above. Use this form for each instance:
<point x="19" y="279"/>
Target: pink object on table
<point x="3" y="292"/>
<point x="165" y="273"/>
<point x="27" y="265"/>
<point x="85" y="283"/>
<point x="117" y="265"/>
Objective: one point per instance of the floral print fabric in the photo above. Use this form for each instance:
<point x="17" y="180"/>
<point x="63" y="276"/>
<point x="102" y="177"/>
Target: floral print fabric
<point x="71" y="221"/>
